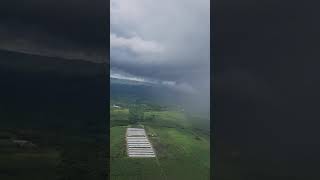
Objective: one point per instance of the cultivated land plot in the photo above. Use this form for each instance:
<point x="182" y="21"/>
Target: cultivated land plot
<point x="181" y="152"/>
<point x="138" y="144"/>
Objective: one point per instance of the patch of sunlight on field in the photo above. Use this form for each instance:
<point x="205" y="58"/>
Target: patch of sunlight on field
<point x="119" y="114"/>
<point x="166" y="118"/>
<point x="119" y="117"/>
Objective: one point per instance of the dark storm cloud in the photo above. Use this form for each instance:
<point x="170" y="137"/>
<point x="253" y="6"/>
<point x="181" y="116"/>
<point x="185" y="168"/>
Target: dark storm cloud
<point x="164" y="41"/>
<point x="76" y="27"/>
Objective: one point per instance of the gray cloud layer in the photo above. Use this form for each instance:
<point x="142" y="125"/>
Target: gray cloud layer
<point x="167" y="41"/>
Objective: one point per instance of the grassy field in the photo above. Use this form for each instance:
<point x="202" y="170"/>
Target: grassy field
<point x="166" y="119"/>
<point x="182" y="153"/>
<point x="121" y="117"/>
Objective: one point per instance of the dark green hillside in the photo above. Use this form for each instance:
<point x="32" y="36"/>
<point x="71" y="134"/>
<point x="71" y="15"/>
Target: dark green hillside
<point x="123" y="91"/>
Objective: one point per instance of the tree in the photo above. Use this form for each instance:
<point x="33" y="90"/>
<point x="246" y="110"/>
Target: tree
<point x="136" y="114"/>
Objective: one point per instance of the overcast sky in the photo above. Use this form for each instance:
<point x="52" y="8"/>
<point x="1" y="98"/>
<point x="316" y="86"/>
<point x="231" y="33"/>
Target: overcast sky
<point x="166" y="41"/>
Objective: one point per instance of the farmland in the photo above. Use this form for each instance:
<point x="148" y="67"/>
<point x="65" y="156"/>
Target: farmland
<point x="182" y="150"/>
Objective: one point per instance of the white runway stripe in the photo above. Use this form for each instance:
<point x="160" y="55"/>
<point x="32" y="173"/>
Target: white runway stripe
<point x="138" y="144"/>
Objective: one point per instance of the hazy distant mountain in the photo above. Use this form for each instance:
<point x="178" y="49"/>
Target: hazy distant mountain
<point x="129" y="82"/>
<point x="130" y="90"/>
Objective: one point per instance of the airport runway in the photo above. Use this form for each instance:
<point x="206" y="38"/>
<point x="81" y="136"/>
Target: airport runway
<point x="138" y="144"/>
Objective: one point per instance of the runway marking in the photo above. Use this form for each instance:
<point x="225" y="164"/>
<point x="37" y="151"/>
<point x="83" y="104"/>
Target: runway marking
<point x="138" y="144"/>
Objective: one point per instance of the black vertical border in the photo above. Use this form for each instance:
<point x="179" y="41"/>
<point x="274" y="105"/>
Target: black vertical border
<point x="265" y="95"/>
<point x="212" y="104"/>
<point x="108" y="85"/>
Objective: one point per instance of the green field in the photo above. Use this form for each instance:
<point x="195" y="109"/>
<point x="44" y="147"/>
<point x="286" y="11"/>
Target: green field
<point x="182" y="151"/>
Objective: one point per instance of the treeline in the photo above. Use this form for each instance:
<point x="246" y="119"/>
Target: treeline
<point x="136" y="114"/>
